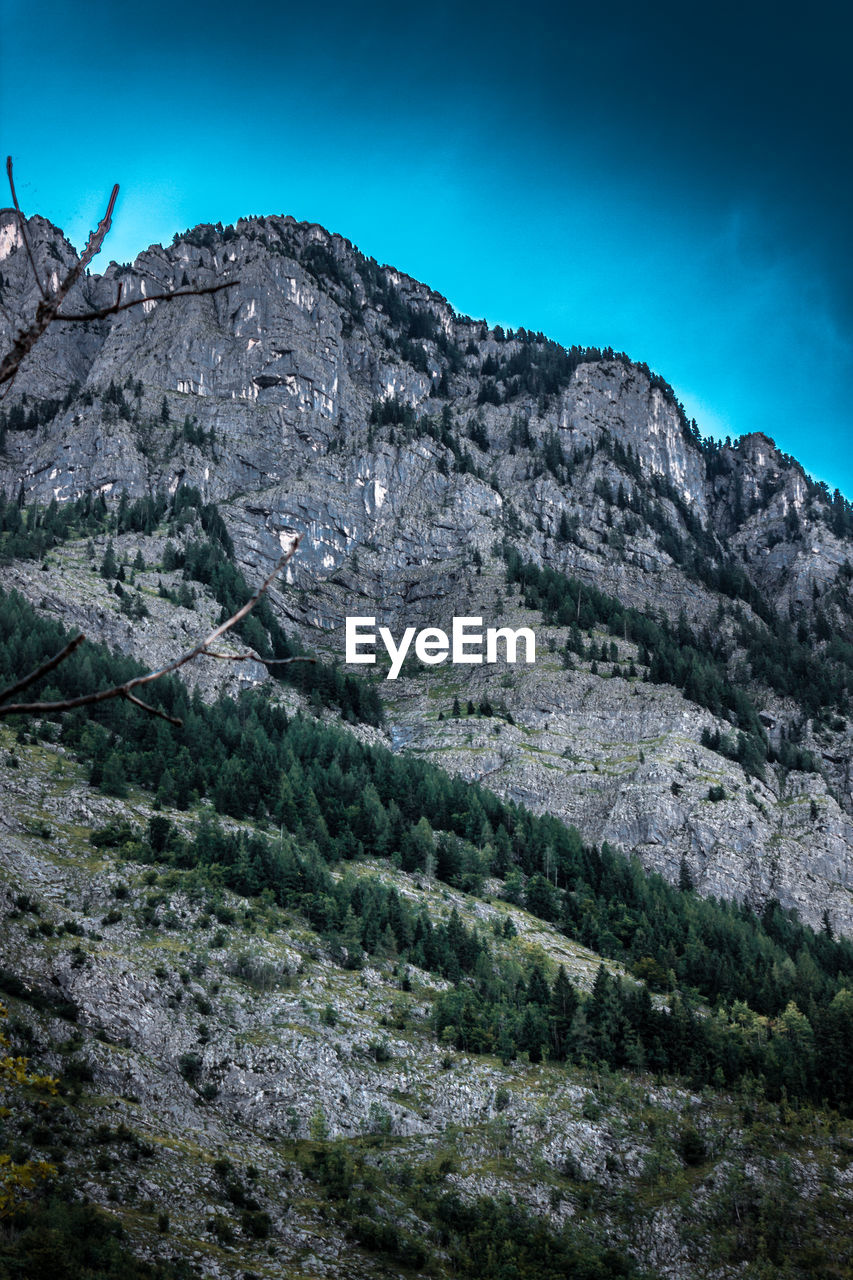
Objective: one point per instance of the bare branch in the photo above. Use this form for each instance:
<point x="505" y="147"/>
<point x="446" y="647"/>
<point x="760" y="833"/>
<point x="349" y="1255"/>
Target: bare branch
<point x="22" y="224"/>
<point x="284" y="662"/>
<point x="151" y="297"/>
<point x="97" y="237"/>
<point x="21" y="345"/>
<point x="232" y="657"/>
<point x="124" y="690"/>
<point x="155" y="711"/>
<point x="254" y="657"/>
<point x="223" y="627"/>
<point x="47" y="310"/>
<point x="42" y="670"/>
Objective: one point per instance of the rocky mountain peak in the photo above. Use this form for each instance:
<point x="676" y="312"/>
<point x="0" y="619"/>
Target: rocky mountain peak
<point x="414" y="449"/>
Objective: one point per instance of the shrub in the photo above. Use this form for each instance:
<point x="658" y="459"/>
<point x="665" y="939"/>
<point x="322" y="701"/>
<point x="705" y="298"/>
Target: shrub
<point x="257" y="1223"/>
<point x="691" y="1147"/>
<point x="259" y="973"/>
<point x="222" y="1229"/>
<point x="189" y="1065"/>
<point x="590" y="1109"/>
<point x="380" y="1050"/>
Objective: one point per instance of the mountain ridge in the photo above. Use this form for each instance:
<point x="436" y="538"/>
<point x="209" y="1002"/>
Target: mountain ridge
<point x="329" y="396"/>
<point x="351" y="977"/>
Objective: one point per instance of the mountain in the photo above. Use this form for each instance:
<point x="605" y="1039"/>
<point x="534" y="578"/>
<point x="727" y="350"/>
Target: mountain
<point x="412" y="449"/>
<point x="498" y="970"/>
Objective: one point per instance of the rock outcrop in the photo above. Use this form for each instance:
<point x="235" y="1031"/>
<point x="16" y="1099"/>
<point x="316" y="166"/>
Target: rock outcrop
<point x="326" y="395"/>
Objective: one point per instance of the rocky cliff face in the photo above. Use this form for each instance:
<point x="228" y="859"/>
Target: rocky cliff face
<point x="326" y="395"/>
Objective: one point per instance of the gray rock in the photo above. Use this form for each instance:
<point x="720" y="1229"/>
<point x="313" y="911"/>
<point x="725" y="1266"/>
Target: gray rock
<point x="278" y="379"/>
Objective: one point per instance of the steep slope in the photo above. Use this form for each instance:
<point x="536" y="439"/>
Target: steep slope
<point x="238" y="1099"/>
<point x="412" y="448"/>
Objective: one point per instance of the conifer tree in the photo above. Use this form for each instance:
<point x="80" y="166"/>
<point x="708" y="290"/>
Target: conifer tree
<point x="562" y="1009"/>
<point x="109" y="564"/>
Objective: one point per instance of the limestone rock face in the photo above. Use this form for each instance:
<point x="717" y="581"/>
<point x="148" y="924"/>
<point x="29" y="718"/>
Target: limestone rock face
<point x="324" y="395"/>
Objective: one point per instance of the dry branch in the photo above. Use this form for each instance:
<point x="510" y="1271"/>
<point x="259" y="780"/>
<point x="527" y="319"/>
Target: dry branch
<point x="125" y="690"/>
<point x="22" y="223"/>
<point x="47" y="311"/>
<point x="38" y="672"/>
<point x="118" y="305"/>
<point x="256" y="657"/>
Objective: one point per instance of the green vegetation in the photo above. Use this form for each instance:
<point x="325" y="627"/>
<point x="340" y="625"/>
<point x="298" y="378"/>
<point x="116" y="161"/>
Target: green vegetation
<point x="542" y="368"/>
<point x="29" y="532"/>
<point x="700" y="665"/>
<point x="783" y="1010"/>
<point x="207" y="562"/>
<point x="69" y="1241"/>
<point x="780" y="993"/>
<point x="489" y="1238"/>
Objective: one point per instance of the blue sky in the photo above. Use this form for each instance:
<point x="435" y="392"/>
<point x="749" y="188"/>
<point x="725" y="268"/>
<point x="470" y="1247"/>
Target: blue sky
<point x="671" y="180"/>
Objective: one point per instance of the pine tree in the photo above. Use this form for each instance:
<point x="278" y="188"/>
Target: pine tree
<point x="109" y="564"/>
<point x="506" y="1045"/>
<point x="561" y="1011"/>
<point x="541" y="898"/>
<point x="538" y="991"/>
<point x="351" y="941"/>
<point x="166" y="791"/>
<point x="317" y="1125"/>
<point x="531" y="1033"/>
<point x="113" y="778"/>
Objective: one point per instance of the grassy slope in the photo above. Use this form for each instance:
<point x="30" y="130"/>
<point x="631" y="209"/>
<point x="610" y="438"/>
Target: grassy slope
<point x="607" y="1150"/>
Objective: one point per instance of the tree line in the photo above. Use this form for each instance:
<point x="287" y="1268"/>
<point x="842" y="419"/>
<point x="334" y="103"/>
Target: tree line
<point x="337" y="799"/>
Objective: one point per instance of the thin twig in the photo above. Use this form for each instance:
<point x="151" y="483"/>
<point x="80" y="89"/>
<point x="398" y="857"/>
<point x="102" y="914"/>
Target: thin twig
<point x="97" y="237"/>
<point x="124" y="690"/>
<point x="155" y="711"/>
<point x="22" y="223"/>
<point x="47" y="310"/>
<point x="42" y="670"/>
<point x="284" y="662"/>
<point x="254" y="657"/>
<point x="153" y="297"/>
